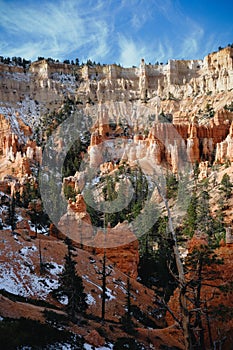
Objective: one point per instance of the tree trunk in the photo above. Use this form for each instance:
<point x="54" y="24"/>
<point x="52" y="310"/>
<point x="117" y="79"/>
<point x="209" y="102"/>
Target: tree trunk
<point x="181" y="279"/>
<point x="103" y="287"/>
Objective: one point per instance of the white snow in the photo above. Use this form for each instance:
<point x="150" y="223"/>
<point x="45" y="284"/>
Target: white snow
<point x="95" y="181"/>
<point x="25" y="282"/>
<point x="63" y="300"/>
<point x="26" y="250"/>
<point x="90" y="299"/>
<point x="108" y="292"/>
<point x="67" y="81"/>
<point x="86" y="278"/>
<point x="56" y="269"/>
<point x="110" y="295"/>
<point x="3" y="208"/>
<point x="90" y="347"/>
<point x="2" y="194"/>
<point x="18" y="76"/>
<point x="17" y="275"/>
<point x="39" y="228"/>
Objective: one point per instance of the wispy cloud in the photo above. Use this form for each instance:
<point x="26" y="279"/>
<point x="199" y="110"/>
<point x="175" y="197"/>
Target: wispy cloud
<point x="130" y="51"/>
<point x="108" y="31"/>
<point x="55" y="29"/>
<point x="192" y="40"/>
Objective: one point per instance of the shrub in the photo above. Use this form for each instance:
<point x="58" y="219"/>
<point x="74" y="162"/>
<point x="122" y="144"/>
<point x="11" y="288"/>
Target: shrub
<point x="128" y="343"/>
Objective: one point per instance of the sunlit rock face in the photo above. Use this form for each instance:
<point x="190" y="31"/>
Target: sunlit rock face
<point x="76" y="223"/>
<point x="122" y="248"/>
<point x="224" y="149"/>
<point x="119" y="243"/>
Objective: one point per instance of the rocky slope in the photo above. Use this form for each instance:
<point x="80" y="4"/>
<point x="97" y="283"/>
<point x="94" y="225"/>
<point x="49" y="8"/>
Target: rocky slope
<point x="160" y="118"/>
<point x="191" y="92"/>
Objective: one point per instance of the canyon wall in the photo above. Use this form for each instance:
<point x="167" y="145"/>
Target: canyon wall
<point x="190" y="92"/>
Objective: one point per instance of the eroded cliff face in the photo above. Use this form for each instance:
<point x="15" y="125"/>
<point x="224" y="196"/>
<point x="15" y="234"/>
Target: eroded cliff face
<point x="76" y="224"/>
<point x="182" y="89"/>
<point x="126" y="106"/>
<point x="45" y="83"/>
<point x="156" y="115"/>
<point x="166" y="143"/>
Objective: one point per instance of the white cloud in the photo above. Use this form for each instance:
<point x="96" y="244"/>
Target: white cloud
<point x="130" y="52"/>
<point x="57" y="29"/>
<point x="139" y="19"/>
<point x="192" y="40"/>
<point x="121" y="31"/>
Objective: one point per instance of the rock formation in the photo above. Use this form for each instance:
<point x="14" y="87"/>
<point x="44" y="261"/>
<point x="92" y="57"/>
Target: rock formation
<point x="224" y="149"/>
<point x="120" y="243"/>
<point x="76" y="223"/>
<point x="121" y="247"/>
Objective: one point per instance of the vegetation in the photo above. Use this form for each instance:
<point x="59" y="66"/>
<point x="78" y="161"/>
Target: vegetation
<point x="114" y="188"/>
<point x="226" y="187"/>
<point x="162" y="267"/>
<point x="15" y="61"/>
<point x="11" y="214"/>
<point x="71" y="287"/>
<point x="104" y="273"/>
<point x="229" y="107"/>
<point x="26" y="333"/>
<point x="128" y="343"/>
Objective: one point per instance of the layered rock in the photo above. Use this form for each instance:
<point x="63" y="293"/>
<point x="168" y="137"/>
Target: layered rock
<point x="76" y="223"/>
<point x="174" y="144"/>
<point x="193" y="151"/>
<point x="16" y="147"/>
<point x="224" y="149"/>
<point x="45" y="84"/>
<point x="122" y="247"/>
<point x="119" y="243"/>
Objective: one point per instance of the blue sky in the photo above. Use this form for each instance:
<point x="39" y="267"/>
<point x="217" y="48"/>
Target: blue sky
<point x="114" y="31"/>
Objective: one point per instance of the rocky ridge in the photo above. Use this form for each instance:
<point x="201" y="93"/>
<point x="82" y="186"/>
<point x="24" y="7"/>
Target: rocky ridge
<point x="193" y="92"/>
<point x="159" y="115"/>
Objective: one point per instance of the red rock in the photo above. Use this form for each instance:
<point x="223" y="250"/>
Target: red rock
<point x="122" y="248"/>
<point x="23" y="224"/>
<point x="76" y="223"/>
<point x="95" y="339"/>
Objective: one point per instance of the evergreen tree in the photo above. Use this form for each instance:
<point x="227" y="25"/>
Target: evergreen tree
<point x="199" y="274"/>
<point x="126" y="320"/>
<point x="225" y="187"/>
<point x="71" y="286"/>
<point x="171" y="186"/>
<point x="190" y="221"/>
<point x="157" y="259"/>
<point x="12" y="217"/>
<point x="204" y="219"/>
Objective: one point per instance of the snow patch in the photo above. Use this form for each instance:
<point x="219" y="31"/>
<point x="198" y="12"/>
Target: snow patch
<point x="39" y="229"/>
<point x="110" y="295"/>
<point x="90" y="299"/>
<point x="106" y="347"/>
<point x="17" y="275"/>
<point x="55" y="269"/>
<point x="27" y="250"/>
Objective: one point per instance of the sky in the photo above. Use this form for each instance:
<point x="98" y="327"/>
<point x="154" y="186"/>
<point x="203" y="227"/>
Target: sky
<point x="114" y="31"/>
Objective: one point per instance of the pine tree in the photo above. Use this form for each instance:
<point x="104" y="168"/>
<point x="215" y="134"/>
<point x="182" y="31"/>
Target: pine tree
<point x="126" y="319"/>
<point x="199" y="274"/>
<point x="71" y="286"/>
<point x="225" y="187"/>
<point x="190" y="221"/>
<point x="12" y="217"/>
<point x="204" y="219"/>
